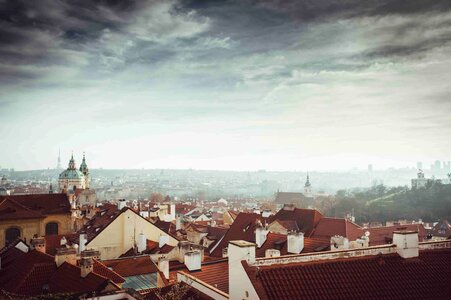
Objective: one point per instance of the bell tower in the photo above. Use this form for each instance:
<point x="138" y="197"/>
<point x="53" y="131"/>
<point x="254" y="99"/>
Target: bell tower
<point x="308" y="187"/>
<point x="84" y="169"/>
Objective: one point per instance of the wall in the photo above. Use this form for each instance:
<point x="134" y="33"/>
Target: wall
<point x="30" y="227"/>
<point x="120" y="235"/>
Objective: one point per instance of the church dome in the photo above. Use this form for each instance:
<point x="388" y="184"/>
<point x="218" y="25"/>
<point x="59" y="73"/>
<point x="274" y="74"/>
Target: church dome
<point x="71" y="174"/>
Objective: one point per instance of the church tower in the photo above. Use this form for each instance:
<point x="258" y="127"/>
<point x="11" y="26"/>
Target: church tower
<point x="84" y="169"/>
<point x="308" y="187"/>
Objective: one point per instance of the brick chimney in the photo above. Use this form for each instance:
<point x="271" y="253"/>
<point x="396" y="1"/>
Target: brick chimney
<point x="261" y="233"/>
<point x="66" y="255"/>
<point x="406" y="242"/>
<point x="295" y="241"/>
<point x="86" y="266"/>
<point x="239" y="283"/>
<point x="38" y="243"/>
<point x="193" y="260"/>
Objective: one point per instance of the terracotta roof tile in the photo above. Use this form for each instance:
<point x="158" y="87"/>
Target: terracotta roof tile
<point x="214" y="273"/>
<point x="384" y="235"/>
<point x="43" y="204"/>
<point x="306" y="219"/>
<point x="328" y="227"/>
<point x="371" y="277"/>
<point x="131" y="266"/>
<point x="279" y="242"/>
<point x="243" y="228"/>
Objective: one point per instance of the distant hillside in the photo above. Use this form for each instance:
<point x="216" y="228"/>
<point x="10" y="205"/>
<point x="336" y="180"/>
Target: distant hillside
<point x="380" y="203"/>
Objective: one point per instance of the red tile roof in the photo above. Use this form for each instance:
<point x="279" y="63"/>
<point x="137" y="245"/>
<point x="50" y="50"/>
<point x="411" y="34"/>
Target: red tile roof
<point x="328" y="227"/>
<point x="243" y="228"/>
<point x="442" y="229"/>
<point x="12" y="210"/>
<point x="131" y="266"/>
<point x="370" y="277"/>
<point x="279" y="242"/>
<point x="103" y="270"/>
<point x="33" y="272"/>
<point x="214" y="273"/>
<point x="306" y="219"/>
<point x="67" y="279"/>
<point x="106" y="214"/>
<point x="52" y="242"/>
<point x="153" y="248"/>
<point x="44" y="204"/>
<point x="384" y="235"/>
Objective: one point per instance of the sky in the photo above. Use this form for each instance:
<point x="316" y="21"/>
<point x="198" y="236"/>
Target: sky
<point x="234" y="85"/>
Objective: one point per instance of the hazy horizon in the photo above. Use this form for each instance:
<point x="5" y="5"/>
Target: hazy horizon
<point x="225" y="85"/>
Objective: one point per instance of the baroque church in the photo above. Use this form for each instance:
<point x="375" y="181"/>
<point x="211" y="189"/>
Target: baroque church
<point x="76" y="183"/>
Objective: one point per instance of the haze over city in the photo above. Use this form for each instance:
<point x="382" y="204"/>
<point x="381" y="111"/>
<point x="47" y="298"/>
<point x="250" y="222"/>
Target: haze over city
<point x="235" y="85"/>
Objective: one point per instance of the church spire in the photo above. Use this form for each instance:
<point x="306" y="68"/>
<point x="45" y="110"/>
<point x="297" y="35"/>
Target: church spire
<point x="307" y="182"/>
<point x="72" y="162"/>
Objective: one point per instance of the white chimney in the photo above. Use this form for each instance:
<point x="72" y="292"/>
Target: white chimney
<point x="338" y="242"/>
<point x="163" y="266"/>
<point x="121" y="204"/>
<point x="240" y="286"/>
<point x="86" y="266"/>
<point x="68" y="255"/>
<point x="172" y="212"/>
<point x="193" y="260"/>
<point x="63" y="241"/>
<point x="142" y="242"/>
<point x="82" y="242"/>
<point x="406" y="243"/>
<point x="260" y="235"/>
<point x="164" y="239"/>
<point x="178" y="222"/>
<point x="295" y="241"/>
<point x="272" y="253"/>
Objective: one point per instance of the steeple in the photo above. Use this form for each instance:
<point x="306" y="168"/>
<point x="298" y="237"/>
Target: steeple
<point x="84" y="169"/>
<point x="72" y="162"/>
<point x="307" y="182"/>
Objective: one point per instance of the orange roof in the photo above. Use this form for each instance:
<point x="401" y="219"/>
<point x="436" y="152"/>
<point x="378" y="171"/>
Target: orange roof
<point x="329" y="227"/>
<point x="131" y="266"/>
<point x="384" y="235"/>
<point x="386" y="276"/>
<point x="215" y="273"/>
<point x="279" y="242"/>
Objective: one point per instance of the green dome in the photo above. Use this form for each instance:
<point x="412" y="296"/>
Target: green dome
<point x="71" y="174"/>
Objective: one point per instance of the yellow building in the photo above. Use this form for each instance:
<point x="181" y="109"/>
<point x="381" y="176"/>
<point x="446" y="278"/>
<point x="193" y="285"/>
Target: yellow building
<point x="115" y="231"/>
<point x="25" y="216"/>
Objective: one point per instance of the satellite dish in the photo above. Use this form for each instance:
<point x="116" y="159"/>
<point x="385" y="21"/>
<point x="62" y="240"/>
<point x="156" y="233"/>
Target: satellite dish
<point x="367" y="233"/>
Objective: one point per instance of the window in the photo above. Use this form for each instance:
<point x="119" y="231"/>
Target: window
<point x="11" y="234"/>
<point x="51" y="228"/>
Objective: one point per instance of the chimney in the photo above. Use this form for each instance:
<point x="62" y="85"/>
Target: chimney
<point x="295" y="241"/>
<point x="121" y="204"/>
<point x="260" y="235"/>
<point x="193" y="260"/>
<point x="142" y="242"/>
<point x="82" y="242"/>
<point x="272" y="253"/>
<point x="63" y="241"/>
<point x="338" y="242"/>
<point x="164" y="239"/>
<point x="95" y="254"/>
<point x="86" y="266"/>
<point x="66" y="255"/>
<point x="406" y="242"/>
<point x="178" y="222"/>
<point x="172" y="207"/>
<point x="238" y="280"/>
<point x="163" y="266"/>
<point x="38" y="243"/>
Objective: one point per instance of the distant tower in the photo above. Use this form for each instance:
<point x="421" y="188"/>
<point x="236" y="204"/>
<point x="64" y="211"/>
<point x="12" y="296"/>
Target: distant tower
<point x="58" y="164"/>
<point x="84" y="169"/>
<point x="308" y="187"/>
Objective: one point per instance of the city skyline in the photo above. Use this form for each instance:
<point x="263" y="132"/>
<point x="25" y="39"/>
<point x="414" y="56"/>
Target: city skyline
<point x="240" y="85"/>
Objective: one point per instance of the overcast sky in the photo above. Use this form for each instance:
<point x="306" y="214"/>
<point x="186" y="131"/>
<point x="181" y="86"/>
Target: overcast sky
<point x="243" y="85"/>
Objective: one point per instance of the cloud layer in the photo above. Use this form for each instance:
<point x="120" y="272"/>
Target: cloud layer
<point x="226" y="84"/>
